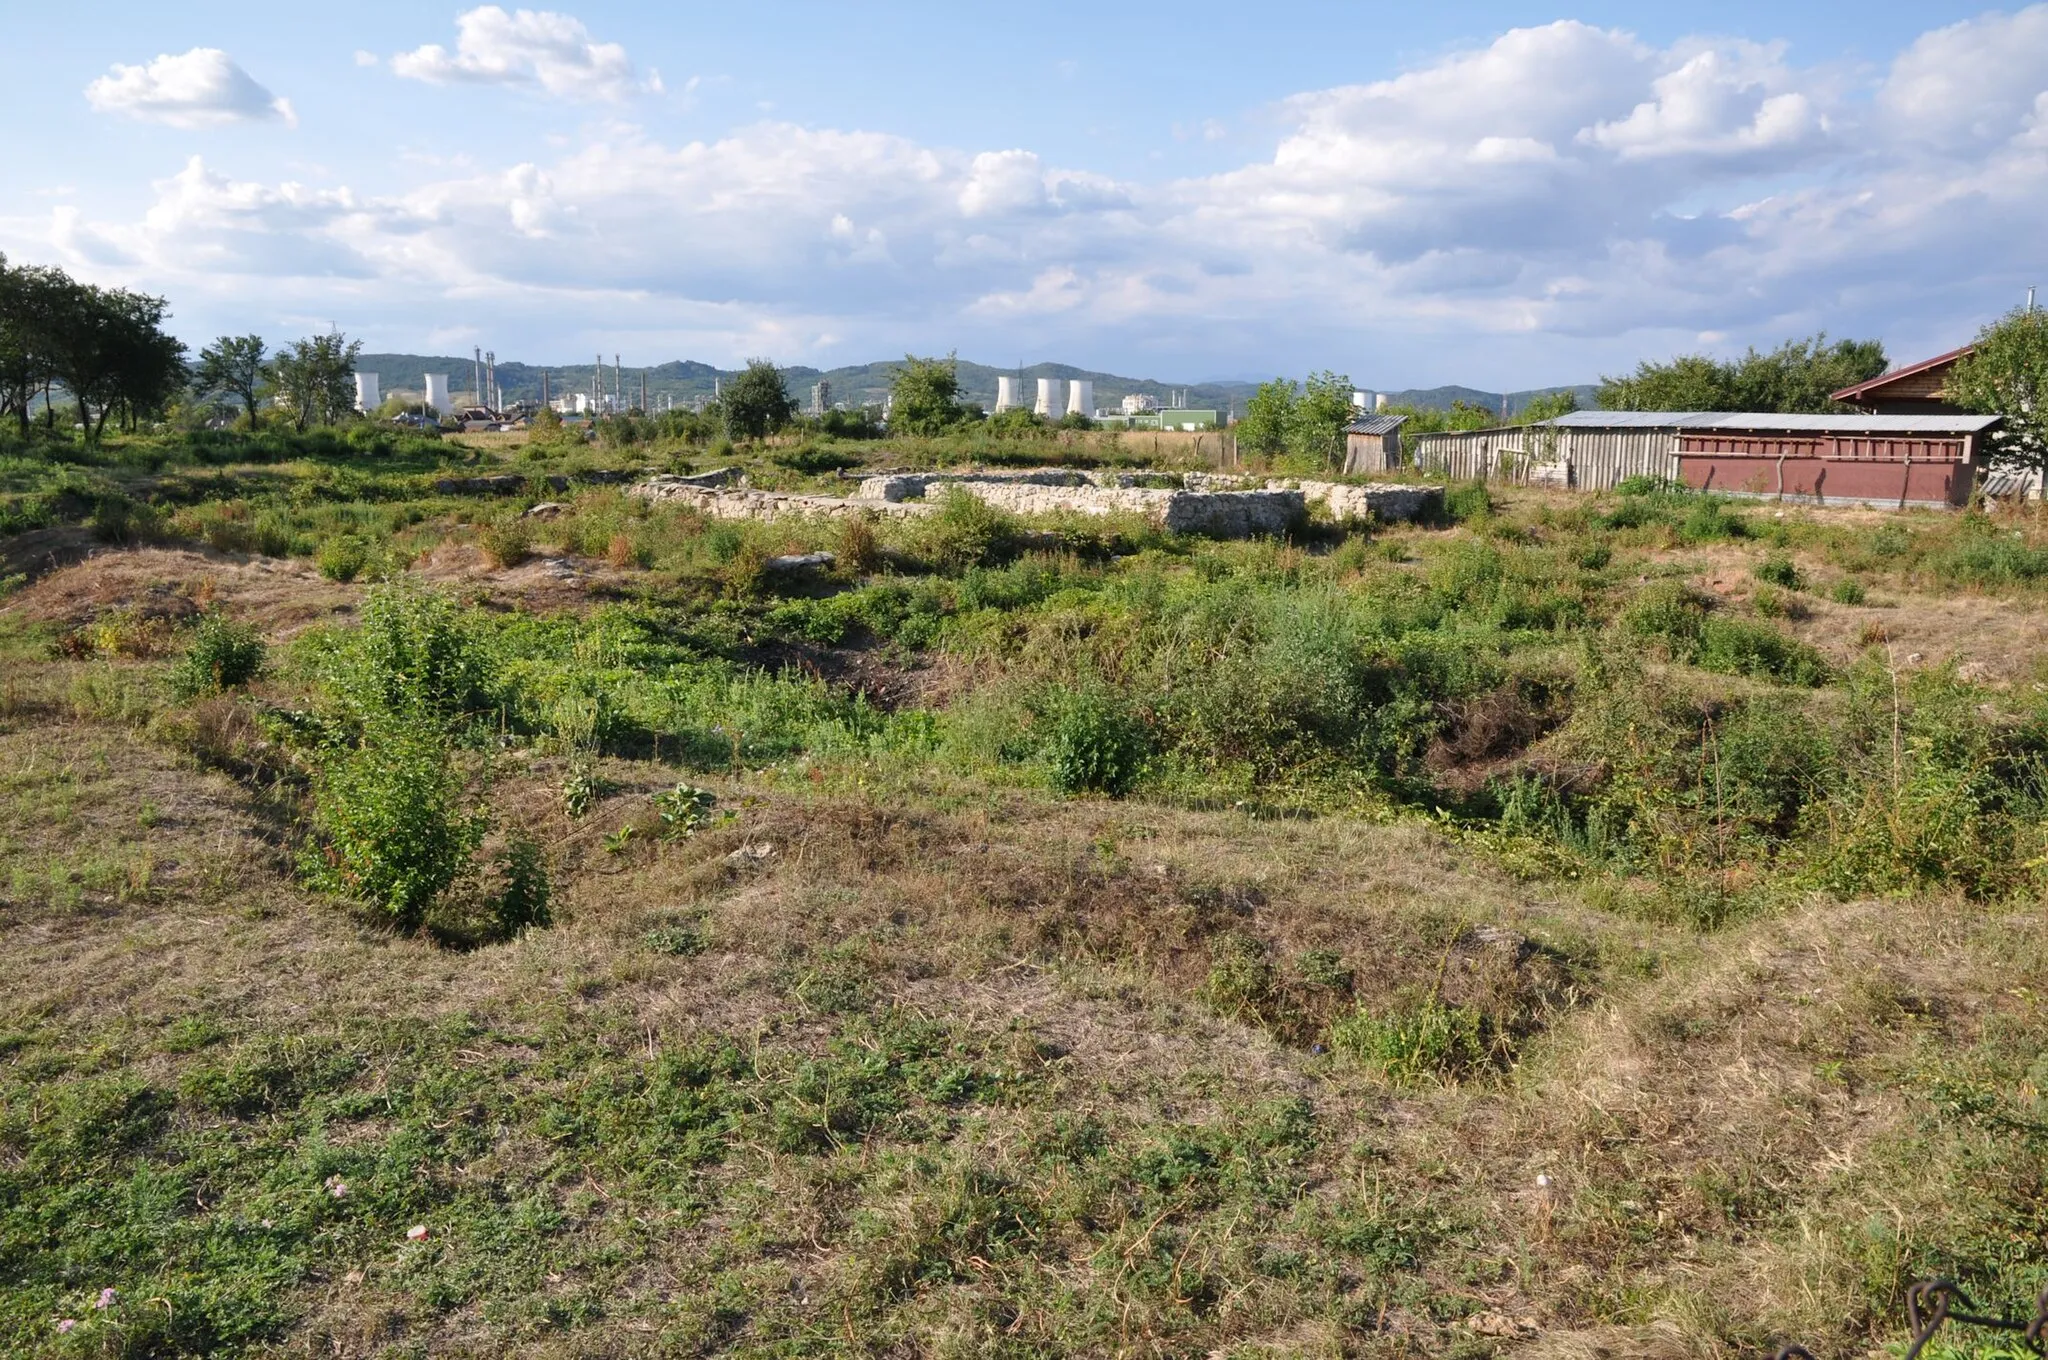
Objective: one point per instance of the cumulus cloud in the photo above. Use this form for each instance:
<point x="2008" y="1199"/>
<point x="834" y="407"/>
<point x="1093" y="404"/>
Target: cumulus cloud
<point x="532" y="49"/>
<point x="195" y="89"/>
<point x="1565" y="183"/>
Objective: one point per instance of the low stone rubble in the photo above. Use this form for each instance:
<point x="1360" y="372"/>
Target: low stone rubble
<point x="1211" y="505"/>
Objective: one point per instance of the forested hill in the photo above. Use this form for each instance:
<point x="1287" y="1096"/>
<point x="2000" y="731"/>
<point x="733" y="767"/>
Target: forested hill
<point x="683" y="381"/>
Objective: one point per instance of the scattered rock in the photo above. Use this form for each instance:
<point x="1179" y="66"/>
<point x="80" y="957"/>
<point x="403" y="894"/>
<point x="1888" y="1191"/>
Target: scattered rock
<point x="545" y="510"/>
<point x="1501" y="1325"/>
<point x="816" y="561"/>
<point x="748" y="856"/>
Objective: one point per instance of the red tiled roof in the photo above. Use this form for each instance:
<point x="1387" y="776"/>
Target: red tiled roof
<point x="1865" y="388"/>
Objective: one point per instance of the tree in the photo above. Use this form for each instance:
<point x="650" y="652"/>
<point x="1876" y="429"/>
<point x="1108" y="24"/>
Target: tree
<point x="316" y="378"/>
<point x="1549" y="406"/>
<point x="32" y="300"/>
<point x="233" y="365"/>
<point x="1313" y="430"/>
<point x="109" y="351"/>
<point x="925" y="398"/>
<point x="1797" y="376"/>
<point x="2006" y="374"/>
<point x="755" y="403"/>
<point x="1266" y="417"/>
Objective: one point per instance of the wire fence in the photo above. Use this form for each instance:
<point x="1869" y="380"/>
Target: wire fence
<point x="1933" y="1304"/>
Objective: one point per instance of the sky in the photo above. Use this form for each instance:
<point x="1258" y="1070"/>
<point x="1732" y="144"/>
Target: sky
<point x="1492" y="194"/>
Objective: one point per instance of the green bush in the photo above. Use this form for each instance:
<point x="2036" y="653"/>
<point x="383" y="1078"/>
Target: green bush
<point x="1847" y="591"/>
<point x="523" y="891"/>
<point x="223" y="655"/>
<point x="1736" y="647"/>
<point x="415" y="654"/>
<point x="1467" y="501"/>
<point x="343" y="558"/>
<point x="507" y="542"/>
<point x="391" y="827"/>
<point x="1416" y="1043"/>
<point x="1096" y="746"/>
<point x="968" y="532"/>
<point x="1778" y="570"/>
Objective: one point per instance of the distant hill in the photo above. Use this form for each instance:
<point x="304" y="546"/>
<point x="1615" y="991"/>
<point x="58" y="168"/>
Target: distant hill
<point x="683" y="382"/>
<point x="1442" y="398"/>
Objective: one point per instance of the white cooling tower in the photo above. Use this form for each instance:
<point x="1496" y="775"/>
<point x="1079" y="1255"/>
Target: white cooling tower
<point x="1048" y="398"/>
<point x="367" y="399"/>
<point x="1081" y="397"/>
<point x="437" y="394"/>
<point x="1379" y="401"/>
<point x="1006" y="394"/>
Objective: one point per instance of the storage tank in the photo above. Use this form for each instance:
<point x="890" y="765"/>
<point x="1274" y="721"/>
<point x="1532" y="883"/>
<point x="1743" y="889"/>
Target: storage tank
<point x="1048" y="398"/>
<point x="367" y="399"/>
<point x="1081" y="397"/>
<point x="437" y="394"/>
<point x="1006" y="394"/>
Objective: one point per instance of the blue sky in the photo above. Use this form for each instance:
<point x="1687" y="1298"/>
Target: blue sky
<point x="1492" y="194"/>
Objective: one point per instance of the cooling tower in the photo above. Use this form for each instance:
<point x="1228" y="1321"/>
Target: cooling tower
<point x="1081" y="397"/>
<point x="437" y="394"/>
<point x="367" y="399"/>
<point x="1006" y="394"/>
<point x="1048" y="398"/>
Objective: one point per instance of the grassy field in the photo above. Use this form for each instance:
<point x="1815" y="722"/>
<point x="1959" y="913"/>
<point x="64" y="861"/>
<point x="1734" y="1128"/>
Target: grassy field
<point x="1587" y="926"/>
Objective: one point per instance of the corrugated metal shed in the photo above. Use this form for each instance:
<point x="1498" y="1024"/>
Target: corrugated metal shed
<point x="1769" y="420"/>
<point x="1375" y="425"/>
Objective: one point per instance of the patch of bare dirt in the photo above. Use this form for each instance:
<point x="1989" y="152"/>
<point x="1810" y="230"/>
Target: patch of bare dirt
<point x="544" y="582"/>
<point x="281" y="597"/>
<point x="41" y="551"/>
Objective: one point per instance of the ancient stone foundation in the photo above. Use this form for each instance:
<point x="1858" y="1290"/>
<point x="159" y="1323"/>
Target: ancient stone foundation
<point x="1210" y="505"/>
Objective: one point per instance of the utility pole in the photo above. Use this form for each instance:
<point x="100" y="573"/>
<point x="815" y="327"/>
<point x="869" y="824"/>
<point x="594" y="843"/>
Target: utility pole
<point x="643" y="393"/>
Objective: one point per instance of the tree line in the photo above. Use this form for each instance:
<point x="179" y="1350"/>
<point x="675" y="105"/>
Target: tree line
<point x="105" y="352"/>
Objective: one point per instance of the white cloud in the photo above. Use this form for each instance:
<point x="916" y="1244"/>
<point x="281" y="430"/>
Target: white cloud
<point x="199" y="88"/>
<point x="1564" y="187"/>
<point x="533" y="49"/>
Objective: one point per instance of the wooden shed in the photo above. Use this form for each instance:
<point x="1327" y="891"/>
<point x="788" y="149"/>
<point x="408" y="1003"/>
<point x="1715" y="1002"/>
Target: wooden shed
<point x="1373" y="444"/>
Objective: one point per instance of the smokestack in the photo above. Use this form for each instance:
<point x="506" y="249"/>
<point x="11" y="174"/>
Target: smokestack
<point x="544" y="387"/>
<point x="495" y="403"/>
<point x="597" y="385"/>
<point x="476" y="384"/>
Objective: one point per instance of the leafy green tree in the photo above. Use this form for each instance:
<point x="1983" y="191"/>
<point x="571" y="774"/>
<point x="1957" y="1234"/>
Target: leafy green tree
<point x="316" y="378"/>
<point x="32" y="299"/>
<point x="1549" y="406"/>
<point x="1797" y="376"/>
<point x="756" y="404"/>
<point x="925" y="398"/>
<point x="1314" y="428"/>
<point x="1018" y="420"/>
<point x="234" y="365"/>
<point x="2006" y="374"/>
<point x="1266" y="418"/>
<point x="109" y="351"/>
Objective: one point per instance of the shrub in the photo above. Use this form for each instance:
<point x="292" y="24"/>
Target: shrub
<point x="1710" y="521"/>
<point x="1414" y="1043"/>
<point x="1778" y="570"/>
<point x="859" y="546"/>
<point x="343" y="557"/>
<point x="116" y="519"/>
<point x="505" y="543"/>
<point x="1769" y="602"/>
<point x="392" y="830"/>
<point x="224" y="655"/>
<point x="968" y="532"/>
<point x="1847" y="591"/>
<point x="1735" y="647"/>
<point x="522" y="898"/>
<point x="1096" y="745"/>
<point x="1467" y="501"/>
<point x="415" y="654"/>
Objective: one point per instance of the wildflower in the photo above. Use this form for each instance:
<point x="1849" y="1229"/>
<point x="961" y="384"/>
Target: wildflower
<point x="416" y="1233"/>
<point x="337" y="1187"/>
<point x="105" y="1300"/>
<point x="65" y="1324"/>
